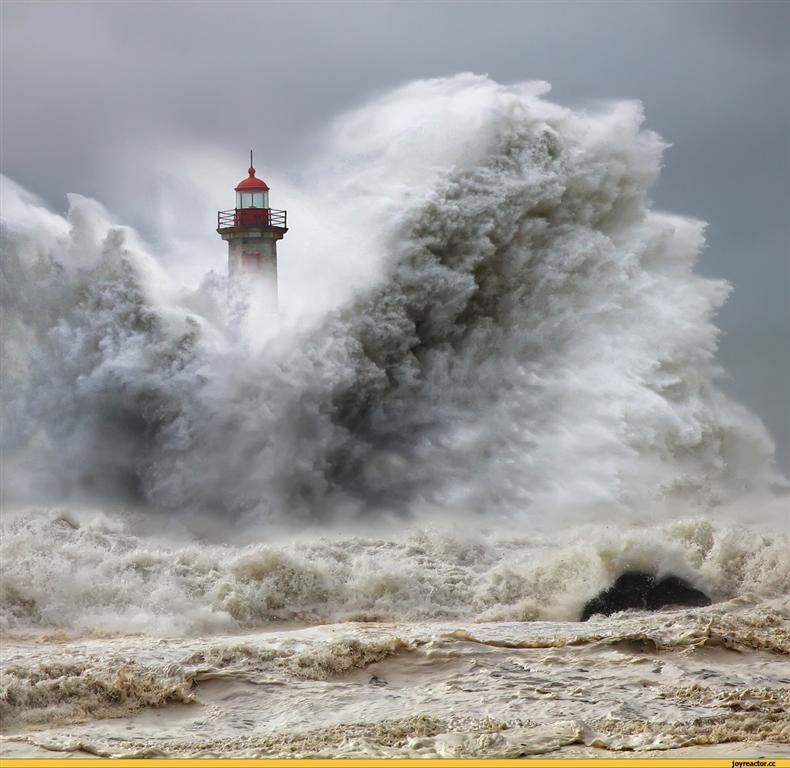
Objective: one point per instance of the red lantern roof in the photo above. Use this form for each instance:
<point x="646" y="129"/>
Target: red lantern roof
<point x="252" y="183"/>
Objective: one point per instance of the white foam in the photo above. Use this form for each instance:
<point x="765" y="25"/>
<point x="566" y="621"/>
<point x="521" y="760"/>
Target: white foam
<point x="87" y="572"/>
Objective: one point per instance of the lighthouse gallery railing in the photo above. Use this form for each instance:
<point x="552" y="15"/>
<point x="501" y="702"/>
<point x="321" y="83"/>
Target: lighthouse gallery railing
<point x="252" y="217"/>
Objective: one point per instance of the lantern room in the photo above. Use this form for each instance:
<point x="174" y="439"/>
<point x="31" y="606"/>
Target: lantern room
<point x="252" y="209"/>
<point x="252" y="192"/>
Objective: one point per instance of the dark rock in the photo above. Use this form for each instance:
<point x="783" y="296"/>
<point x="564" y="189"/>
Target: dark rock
<point x="644" y="592"/>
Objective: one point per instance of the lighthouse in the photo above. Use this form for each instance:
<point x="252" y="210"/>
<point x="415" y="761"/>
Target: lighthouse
<point x="252" y="230"/>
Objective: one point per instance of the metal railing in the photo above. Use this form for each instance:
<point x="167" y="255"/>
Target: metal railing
<point x="252" y="217"/>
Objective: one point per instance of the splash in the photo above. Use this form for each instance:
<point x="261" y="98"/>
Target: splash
<point x="87" y="574"/>
<point x="527" y="335"/>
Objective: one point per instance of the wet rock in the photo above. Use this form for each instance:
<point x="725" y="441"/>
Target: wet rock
<point x="644" y="591"/>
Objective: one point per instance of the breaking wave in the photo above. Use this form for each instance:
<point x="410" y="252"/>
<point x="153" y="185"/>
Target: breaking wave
<point x="520" y="342"/>
<point x="531" y="336"/>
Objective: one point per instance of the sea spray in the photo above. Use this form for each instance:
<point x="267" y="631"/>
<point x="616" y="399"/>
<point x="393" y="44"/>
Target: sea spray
<point x="534" y="340"/>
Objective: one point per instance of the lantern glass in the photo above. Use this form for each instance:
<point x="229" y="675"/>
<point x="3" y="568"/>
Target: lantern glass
<point x="252" y="199"/>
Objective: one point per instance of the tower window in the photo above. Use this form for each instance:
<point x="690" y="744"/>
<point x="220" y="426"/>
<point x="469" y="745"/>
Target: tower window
<point x="251" y="261"/>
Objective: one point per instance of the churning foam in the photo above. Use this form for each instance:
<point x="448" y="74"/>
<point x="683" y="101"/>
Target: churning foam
<point x="89" y="573"/>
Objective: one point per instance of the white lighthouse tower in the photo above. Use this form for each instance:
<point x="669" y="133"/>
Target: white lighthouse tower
<point x="252" y="230"/>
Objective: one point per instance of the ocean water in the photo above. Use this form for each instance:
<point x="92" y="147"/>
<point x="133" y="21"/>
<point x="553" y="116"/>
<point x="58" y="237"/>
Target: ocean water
<point x="372" y="532"/>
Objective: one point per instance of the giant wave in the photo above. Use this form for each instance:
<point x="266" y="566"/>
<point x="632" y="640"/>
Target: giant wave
<point x="530" y="340"/>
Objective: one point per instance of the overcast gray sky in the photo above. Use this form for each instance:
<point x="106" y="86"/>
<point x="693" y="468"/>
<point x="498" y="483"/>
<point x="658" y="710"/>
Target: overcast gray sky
<point x="85" y="83"/>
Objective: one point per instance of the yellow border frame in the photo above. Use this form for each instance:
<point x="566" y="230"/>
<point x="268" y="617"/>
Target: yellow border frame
<point x="526" y="762"/>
